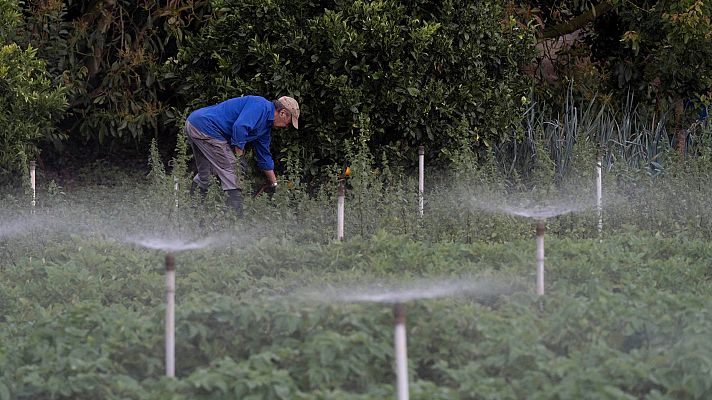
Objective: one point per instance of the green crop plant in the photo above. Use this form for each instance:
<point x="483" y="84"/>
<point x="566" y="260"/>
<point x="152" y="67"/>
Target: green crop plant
<point x="621" y="317"/>
<point x="81" y="306"/>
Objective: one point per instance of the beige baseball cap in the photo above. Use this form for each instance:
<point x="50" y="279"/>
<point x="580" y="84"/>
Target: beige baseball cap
<point x="293" y="107"/>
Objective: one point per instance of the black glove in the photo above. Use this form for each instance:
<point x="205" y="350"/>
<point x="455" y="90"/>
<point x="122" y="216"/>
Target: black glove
<point x="268" y="188"/>
<point x="271" y="188"/>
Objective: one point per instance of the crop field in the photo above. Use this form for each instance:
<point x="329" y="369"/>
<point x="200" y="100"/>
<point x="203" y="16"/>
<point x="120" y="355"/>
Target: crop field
<point x="443" y="200"/>
<point x="268" y="307"/>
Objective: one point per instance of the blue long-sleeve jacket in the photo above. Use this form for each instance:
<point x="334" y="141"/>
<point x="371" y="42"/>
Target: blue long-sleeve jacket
<point x="240" y="121"/>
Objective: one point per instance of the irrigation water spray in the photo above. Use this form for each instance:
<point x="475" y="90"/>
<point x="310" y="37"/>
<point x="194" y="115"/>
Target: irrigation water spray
<point x="173" y="245"/>
<point x="397" y="296"/>
<point x="540" y="214"/>
<point x="169" y="247"/>
<point x="421" y="179"/>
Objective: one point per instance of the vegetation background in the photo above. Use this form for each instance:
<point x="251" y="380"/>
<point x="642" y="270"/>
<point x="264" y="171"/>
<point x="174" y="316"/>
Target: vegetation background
<point x="98" y="80"/>
<point x="513" y="100"/>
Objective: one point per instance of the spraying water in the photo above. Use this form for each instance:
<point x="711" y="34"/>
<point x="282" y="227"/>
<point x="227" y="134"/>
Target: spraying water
<point x="541" y="212"/>
<point x="18" y="226"/>
<point x="419" y="290"/>
<point x="530" y="209"/>
<point x="174" y="245"/>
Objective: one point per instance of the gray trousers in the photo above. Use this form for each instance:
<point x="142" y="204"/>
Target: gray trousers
<point x="212" y="156"/>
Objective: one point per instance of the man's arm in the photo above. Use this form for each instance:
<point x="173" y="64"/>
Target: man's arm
<point x="271" y="177"/>
<point x="264" y="158"/>
<point x="247" y="120"/>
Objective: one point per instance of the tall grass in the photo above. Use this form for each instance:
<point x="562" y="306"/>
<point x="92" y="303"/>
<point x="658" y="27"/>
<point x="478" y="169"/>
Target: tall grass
<point x="623" y="134"/>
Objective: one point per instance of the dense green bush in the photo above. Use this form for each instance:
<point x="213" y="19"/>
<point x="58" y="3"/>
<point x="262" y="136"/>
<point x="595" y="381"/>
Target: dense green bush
<point x="106" y="53"/>
<point x="446" y="74"/>
<point x="30" y="105"/>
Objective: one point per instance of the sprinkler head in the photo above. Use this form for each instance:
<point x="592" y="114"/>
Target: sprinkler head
<point x="399" y="313"/>
<point x="170" y="262"/>
<point x="345" y="173"/>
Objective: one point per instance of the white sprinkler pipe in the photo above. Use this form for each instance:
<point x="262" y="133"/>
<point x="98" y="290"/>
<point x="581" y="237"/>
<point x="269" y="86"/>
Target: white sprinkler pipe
<point x="175" y="189"/>
<point x="599" y="194"/>
<point x="540" y="257"/>
<point x="340" y="211"/>
<point x="421" y="178"/>
<point x="170" y="316"/>
<point x="32" y="184"/>
<point x="401" y="353"/>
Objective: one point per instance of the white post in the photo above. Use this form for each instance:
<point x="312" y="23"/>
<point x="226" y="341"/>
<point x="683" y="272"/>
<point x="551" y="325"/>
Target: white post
<point x="340" y="211"/>
<point x="170" y="316"/>
<point x="421" y="178"/>
<point x="401" y="353"/>
<point x="599" y="194"/>
<point x="32" y="185"/>
<point x="540" y="257"/>
<point x="175" y="189"/>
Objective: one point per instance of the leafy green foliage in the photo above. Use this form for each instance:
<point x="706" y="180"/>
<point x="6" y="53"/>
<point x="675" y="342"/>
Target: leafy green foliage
<point x="657" y="49"/>
<point x="415" y="71"/>
<point x="106" y="53"/>
<point x="622" y="318"/>
<point x="30" y="104"/>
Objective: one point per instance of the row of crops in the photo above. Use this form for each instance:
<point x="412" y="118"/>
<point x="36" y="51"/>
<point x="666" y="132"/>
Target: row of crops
<point x="625" y="314"/>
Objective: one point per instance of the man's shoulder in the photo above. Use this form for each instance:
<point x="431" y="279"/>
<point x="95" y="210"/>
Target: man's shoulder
<point x="251" y="99"/>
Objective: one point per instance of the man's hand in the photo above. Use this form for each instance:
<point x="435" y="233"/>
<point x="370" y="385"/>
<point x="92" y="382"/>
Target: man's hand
<point x="238" y="151"/>
<point x="271" y="188"/>
<point x="268" y="188"/>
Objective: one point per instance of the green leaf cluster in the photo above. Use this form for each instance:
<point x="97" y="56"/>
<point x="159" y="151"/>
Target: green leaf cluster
<point x="442" y="73"/>
<point x="30" y="104"/>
